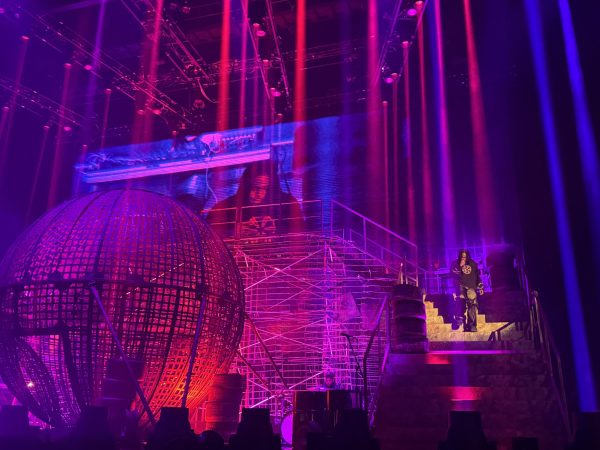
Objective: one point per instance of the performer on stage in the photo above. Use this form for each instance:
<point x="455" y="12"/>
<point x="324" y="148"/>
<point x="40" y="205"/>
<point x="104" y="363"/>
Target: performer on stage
<point x="468" y="286"/>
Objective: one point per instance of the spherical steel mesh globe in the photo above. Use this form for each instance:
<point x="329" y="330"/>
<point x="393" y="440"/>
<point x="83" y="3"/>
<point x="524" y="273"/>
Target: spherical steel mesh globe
<point x="162" y="276"/>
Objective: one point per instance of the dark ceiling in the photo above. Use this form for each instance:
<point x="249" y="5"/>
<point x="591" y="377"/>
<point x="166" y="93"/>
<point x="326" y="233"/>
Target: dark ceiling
<point x="189" y="71"/>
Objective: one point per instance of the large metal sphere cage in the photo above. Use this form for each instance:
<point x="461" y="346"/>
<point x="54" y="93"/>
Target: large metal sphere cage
<point x="166" y="281"/>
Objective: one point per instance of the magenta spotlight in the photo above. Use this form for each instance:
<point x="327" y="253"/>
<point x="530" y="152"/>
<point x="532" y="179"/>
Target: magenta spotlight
<point x="67" y="66"/>
<point x="258" y="30"/>
<point x="107" y="91"/>
<point x="67" y="128"/>
<point x="411" y="12"/>
<point x="405" y="44"/>
<point x="389" y="79"/>
<point x="199" y="104"/>
<point x="25" y="38"/>
<point x="140" y="112"/>
<point x="88" y="67"/>
<point x="275" y="92"/>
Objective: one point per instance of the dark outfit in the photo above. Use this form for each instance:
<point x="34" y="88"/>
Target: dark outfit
<point x="467" y="282"/>
<point x="277" y="213"/>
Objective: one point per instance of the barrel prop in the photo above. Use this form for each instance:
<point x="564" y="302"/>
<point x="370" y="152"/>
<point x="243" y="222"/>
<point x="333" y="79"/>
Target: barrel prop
<point x="408" y="322"/>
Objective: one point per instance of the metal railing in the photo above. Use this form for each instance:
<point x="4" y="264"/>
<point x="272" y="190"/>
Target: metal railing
<point x="542" y="338"/>
<point x="260" y="221"/>
<point x="392" y="250"/>
<point x="396" y="254"/>
<point x="370" y="399"/>
<point x="541" y="335"/>
<point x="496" y="335"/>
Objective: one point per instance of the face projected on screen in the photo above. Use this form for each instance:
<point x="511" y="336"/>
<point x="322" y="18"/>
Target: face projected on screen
<point x="259" y="189"/>
<point x="259" y="207"/>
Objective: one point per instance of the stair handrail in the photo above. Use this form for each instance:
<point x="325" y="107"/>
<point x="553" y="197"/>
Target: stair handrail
<point x="496" y="335"/>
<point x="542" y="338"/>
<point x="383" y="307"/>
<point x="405" y="262"/>
<point x="541" y="335"/>
<point x="228" y="221"/>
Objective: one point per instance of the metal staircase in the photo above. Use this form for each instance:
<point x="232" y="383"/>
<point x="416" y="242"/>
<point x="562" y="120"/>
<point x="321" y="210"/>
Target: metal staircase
<point x="308" y="285"/>
<point x="304" y="288"/>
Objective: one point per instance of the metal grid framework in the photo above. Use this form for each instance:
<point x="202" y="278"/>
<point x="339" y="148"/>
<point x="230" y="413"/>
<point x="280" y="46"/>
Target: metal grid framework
<point x="302" y="293"/>
<point x="163" y="277"/>
<point x="303" y="289"/>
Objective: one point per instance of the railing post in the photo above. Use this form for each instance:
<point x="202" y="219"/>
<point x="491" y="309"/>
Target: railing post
<point x="322" y="218"/>
<point x="388" y="333"/>
<point x="364" y="234"/>
<point x="550" y="355"/>
<point x="237" y="226"/>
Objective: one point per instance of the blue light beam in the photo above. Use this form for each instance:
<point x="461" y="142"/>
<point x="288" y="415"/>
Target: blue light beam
<point x="585" y="382"/>
<point x="585" y="133"/>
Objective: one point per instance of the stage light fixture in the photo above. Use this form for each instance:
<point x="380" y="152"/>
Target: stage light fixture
<point x="391" y="78"/>
<point x="258" y="30"/>
<point x="156" y="109"/>
<point x="199" y="104"/>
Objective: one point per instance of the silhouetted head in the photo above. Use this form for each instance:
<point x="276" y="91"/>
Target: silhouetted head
<point x="464" y="254"/>
<point x="211" y="440"/>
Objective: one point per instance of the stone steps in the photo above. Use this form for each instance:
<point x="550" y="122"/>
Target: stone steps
<point x="440" y="330"/>
<point x="470" y="380"/>
<point x="505" y="380"/>
<point x="482" y="393"/>
<point x="425" y="438"/>
<point x="515" y="346"/>
<point x="433" y="311"/>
